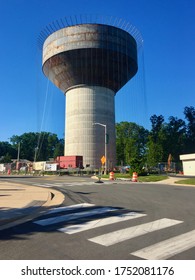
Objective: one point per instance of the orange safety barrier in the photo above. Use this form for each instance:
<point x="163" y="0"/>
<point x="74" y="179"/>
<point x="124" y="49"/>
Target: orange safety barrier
<point x="111" y="175"/>
<point x="134" y="178"/>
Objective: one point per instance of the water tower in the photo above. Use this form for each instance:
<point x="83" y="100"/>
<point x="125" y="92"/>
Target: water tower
<point x="90" y="63"/>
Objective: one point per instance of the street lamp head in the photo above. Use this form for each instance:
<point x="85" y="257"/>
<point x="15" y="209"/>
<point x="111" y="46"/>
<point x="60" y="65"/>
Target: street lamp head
<point x="100" y="124"/>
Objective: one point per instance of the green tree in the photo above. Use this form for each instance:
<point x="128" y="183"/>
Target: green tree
<point x="154" y="152"/>
<point x="7" y="151"/>
<point x="189" y="113"/>
<point x="174" y="138"/>
<point x="130" y="142"/>
<point x="39" y="146"/>
<point x="157" y="122"/>
<point x="155" y="141"/>
<point x="6" y="158"/>
<point x="136" y="166"/>
<point x="27" y="143"/>
<point x="59" y="148"/>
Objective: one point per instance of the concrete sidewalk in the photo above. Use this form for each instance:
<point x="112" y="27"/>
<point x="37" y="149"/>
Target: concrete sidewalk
<point x="172" y="181"/>
<point x="169" y="181"/>
<point x="18" y="203"/>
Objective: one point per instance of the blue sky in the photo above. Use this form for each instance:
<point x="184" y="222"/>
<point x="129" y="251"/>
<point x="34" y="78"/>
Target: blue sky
<point x="29" y="103"/>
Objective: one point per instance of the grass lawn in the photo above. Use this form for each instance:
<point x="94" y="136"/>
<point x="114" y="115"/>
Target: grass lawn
<point x="152" y="178"/>
<point x="148" y="178"/>
<point x="187" y="181"/>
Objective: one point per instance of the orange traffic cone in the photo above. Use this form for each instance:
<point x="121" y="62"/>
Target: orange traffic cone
<point x="134" y="178"/>
<point x="111" y="175"/>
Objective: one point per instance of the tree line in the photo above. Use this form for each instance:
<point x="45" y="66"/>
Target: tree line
<point x="138" y="147"/>
<point x="135" y="145"/>
<point x="32" y="146"/>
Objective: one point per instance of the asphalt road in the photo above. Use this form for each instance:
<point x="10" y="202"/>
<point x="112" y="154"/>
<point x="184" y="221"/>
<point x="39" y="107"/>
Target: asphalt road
<point x="112" y="220"/>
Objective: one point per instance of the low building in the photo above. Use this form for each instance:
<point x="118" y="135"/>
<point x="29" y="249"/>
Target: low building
<point x="188" y="162"/>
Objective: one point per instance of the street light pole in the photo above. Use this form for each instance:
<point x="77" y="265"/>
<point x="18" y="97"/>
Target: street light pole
<point x="18" y="157"/>
<point x="105" y="129"/>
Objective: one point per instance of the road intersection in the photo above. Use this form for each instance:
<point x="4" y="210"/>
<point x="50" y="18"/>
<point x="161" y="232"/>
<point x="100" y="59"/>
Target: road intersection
<point x="80" y="219"/>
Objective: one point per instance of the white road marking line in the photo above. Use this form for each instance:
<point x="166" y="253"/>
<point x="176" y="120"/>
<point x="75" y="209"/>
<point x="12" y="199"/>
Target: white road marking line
<point x="167" y="248"/>
<point x="131" y="232"/>
<point x="73" y="216"/>
<point x="64" y="184"/>
<point x="71" y="207"/>
<point x="42" y="185"/>
<point x="55" y="184"/>
<point x="48" y="185"/>
<point x="79" y="184"/>
<point x="100" y="222"/>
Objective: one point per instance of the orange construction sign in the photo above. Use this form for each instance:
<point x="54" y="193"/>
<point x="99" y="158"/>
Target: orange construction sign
<point x="103" y="160"/>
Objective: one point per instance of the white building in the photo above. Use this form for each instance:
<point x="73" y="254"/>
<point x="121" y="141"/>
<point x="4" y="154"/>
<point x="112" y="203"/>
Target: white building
<point x="188" y="162"/>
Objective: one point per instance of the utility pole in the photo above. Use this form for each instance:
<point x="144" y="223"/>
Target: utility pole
<point x="18" y="157"/>
<point x="35" y="156"/>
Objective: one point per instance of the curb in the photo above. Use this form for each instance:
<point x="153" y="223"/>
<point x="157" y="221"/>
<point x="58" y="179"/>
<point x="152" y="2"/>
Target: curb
<point x="55" y="198"/>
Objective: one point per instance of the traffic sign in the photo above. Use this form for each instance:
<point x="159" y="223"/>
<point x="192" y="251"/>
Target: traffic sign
<point x="103" y="160"/>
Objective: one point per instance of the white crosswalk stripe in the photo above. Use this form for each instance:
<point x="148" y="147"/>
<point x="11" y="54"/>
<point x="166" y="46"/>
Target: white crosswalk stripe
<point x="167" y="248"/>
<point x="95" y="217"/>
<point x="63" y="184"/>
<point x="43" y="185"/>
<point x="101" y="222"/>
<point x="131" y="232"/>
<point x="71" y="207"/>
<point x="74" y="216"/>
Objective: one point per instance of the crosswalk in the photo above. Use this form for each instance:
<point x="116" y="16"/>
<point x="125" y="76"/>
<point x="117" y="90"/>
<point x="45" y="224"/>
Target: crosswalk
<point x="68" y="184"/>
<point x="168" y="248"/>
<point x="82" y="217"/>
<point x="131" y="232"/>
<point x="101" y="222"/>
